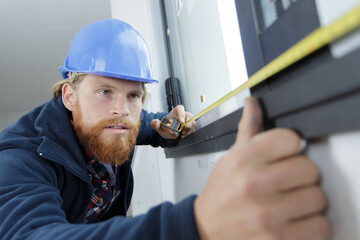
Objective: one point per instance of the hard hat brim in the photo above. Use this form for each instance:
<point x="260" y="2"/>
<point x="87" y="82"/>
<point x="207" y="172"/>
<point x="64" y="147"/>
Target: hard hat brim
<point x="64" y="73"/>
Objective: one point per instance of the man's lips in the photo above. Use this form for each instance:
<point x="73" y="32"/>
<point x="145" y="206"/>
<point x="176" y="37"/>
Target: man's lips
<point x="118" y="128"/>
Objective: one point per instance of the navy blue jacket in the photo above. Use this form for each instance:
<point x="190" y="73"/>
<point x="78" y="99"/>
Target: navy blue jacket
<point x="45" y="187"/>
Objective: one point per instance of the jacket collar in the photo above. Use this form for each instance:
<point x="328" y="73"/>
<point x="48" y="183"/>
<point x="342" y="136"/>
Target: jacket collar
<point x="53" y="124"/>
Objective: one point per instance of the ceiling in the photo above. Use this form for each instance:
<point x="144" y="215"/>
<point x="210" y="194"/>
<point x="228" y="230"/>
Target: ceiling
<point x="34" y="39"/>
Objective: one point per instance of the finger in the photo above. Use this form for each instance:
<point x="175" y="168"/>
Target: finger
<point x="190" y="127"/>
<point x="178" y="113"/>
<point x="315" y="227"/>
<point x="188" y="116"/>
<point x="193" y="126"/>
<point x="251" y="120"/>
<point x="189" y="131"/>
<point x="289" y="174"/>
<point x="301" y="203"/>
<point x="274" y="145"/>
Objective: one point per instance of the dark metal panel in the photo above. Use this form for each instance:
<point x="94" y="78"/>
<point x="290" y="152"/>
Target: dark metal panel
<point x="294" y="24"/>
<point x="260" y="48"/>
<point x="334" y="116"/>
<point x="317" y="78"/>
<point x="217" y="136"/>
<point x="212" y="145"/>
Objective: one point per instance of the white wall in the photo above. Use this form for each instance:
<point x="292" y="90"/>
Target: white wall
<point x="338" y="160"/>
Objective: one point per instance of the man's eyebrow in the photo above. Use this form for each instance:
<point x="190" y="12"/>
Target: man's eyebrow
<point x="137" y="91"/>
<point x="104" y="85"/>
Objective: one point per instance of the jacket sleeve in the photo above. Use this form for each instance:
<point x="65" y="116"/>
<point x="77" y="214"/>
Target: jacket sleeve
<point x="147" y="135"/>
<point x="30" y="208"/>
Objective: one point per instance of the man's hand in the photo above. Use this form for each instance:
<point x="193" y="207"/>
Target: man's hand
<point x="179" y="114"/>
<point x="262" y="188"/>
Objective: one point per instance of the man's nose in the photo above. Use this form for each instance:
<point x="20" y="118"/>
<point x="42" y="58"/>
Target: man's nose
<point x="120" y="107"/>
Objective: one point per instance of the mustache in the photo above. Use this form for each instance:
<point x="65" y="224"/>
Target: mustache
<point x="119" y="120"/>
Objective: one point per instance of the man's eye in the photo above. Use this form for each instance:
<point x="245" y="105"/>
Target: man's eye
<point x="105" y="92"/>
<point x="134" y="95"/>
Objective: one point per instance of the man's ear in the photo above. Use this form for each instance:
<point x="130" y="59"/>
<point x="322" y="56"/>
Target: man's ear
<point x="68" y="97"/>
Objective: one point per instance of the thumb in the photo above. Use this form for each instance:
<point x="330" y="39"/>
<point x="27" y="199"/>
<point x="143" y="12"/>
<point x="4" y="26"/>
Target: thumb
<point x="155" y="124"/>
<point x="251" y="120"/>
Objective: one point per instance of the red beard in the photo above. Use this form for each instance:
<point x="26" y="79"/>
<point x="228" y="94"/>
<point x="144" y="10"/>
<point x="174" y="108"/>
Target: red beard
<point x="113" y="151"/>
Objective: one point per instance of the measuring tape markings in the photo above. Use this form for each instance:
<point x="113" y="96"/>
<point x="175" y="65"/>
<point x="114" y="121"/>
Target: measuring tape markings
<point x="313" y="42"/>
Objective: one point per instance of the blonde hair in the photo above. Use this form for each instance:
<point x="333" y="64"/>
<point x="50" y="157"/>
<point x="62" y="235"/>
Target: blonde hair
<point x="74" y="81"/>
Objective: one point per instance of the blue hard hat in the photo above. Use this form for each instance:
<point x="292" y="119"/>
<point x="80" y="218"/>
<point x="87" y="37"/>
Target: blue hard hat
<point x="110" y="48"/>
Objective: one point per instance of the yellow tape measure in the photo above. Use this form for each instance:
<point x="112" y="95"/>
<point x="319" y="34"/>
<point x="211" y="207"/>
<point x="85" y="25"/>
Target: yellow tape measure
<point x="313" y="42"/>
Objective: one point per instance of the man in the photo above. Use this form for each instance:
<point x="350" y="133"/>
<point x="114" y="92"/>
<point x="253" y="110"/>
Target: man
<point x="65" y="166"/>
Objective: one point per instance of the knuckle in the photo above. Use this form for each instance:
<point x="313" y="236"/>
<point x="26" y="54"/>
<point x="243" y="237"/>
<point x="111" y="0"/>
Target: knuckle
<point x="312" y="171"/>
<point x="250" y="185"/>
<point x="180" y="107"/>
<point x="238" y="153"/>
<point x="288" y="135"/>
<point x="288" y="138"/>
<point x="247" y="152"/>
<point x="243" y="158"/>
<point x="319" y="197"/>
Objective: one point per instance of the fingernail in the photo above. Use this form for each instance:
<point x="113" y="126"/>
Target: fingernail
<point x="303" y="144"/>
